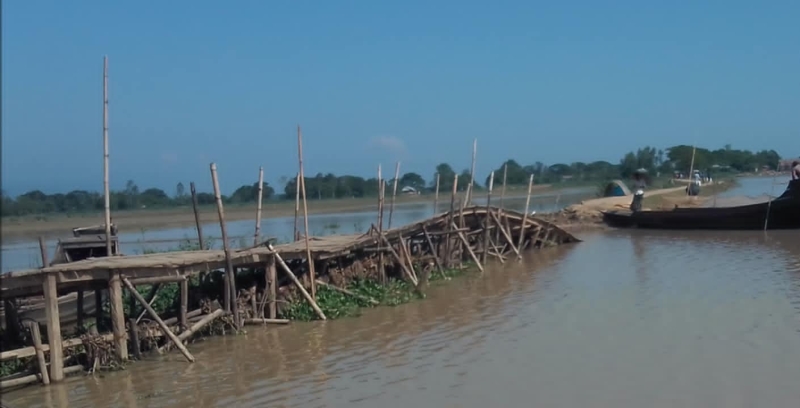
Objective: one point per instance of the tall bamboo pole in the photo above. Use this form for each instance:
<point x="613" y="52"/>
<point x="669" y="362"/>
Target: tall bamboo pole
<point x="525" y="215"/>
<point x="106" y="192"/>
<point x="436" y="196"/>
<point x="296" y="205"/>
<point x="311" y="272"/>
<point x="472" y="171"/>
<point x="487" y="223"/>
<point x="197" y="216"/>
<point x="394" y="193"/>
<point x="230" y="276"/>
<point x="258" y="210"/>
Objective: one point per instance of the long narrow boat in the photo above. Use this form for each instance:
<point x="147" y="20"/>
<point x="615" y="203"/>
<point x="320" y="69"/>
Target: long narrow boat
<point x="780" y="213"/>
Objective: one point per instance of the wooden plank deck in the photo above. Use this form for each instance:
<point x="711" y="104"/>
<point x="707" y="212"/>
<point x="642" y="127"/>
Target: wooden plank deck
<point x="68" y="275"/>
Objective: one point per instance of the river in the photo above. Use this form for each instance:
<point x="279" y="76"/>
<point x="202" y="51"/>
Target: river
<point x="623" y="319"/>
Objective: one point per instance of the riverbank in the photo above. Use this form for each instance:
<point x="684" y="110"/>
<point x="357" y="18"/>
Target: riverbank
<point x="57" y="225"/>
<point x="587" y="215"/>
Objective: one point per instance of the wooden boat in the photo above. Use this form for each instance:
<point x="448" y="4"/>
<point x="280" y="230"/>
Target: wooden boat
<point x="781" y="213"/>
<point x="86" y="242"/>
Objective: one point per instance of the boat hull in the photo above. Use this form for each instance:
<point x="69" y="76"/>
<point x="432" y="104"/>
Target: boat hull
<point x="781" y="213"/>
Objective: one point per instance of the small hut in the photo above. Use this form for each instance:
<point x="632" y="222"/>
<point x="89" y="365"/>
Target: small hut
<point x="616" y="188"/>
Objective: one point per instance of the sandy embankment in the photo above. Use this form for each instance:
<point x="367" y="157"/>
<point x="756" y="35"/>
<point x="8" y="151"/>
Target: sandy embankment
<point x="588" y="214"/>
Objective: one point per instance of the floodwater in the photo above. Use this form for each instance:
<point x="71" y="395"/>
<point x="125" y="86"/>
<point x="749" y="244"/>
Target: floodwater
<point x="623" y="319"/>
<point x="20" y="255"/>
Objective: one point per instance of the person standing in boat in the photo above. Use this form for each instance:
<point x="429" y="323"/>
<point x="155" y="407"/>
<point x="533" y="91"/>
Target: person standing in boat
<point x="639" y="183"/>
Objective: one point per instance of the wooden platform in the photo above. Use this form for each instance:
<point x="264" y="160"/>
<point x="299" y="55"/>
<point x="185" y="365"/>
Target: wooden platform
<point x="410" y="253"/>
<point x="70" y="275"/>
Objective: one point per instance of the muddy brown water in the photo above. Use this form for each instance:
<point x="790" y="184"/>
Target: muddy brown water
<point x="623" y="319"/>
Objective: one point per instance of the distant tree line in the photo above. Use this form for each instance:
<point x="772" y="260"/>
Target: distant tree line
<point x="323" y="186"/>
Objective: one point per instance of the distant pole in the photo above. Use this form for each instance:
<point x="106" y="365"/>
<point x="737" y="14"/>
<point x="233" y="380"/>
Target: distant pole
<point x="106" y="192"/>
<point x="472" y="170"/>
<point x="196" y="216"/>
<point x="380" y="200"/>
<point x="525" y="215"/>
<point x="488" y="223"/>
<point x="436" y="196"/>
<point x="43" y="250"/>
<point x="503" y="191"/>
<point x="296" y="236"/>
<point x="394" y="193"/>
<point x="258" y="211"/>
<point x="311" y="272"/>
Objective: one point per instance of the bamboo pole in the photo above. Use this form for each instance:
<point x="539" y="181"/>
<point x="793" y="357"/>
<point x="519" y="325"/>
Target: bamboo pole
<point x="394" y="193"/>
<point x="450" y="216"/>
<point x="36" y="336"/>
<point x="79" y="311"/>
<point x="525" y="215"/>
<point x="167" y="332"/>
<point x="43" y="250"/>
<point x="258" y="208"/>
<point x="117" y="316"/>
<point x="273" y="288"/>
<point x="505" y="233"/>
<point x="436" y="196"/>
<point x="296" y="235"/>
<point x="487" y="220"/>
<point x="472" y="170"/>
<point x="266" y="321"/>
<point x="433" y="250"/>
<point x="312" y="273"/>
<point x="503" y="191"/>
<point x="297" y="283"/>
<point x="381" y="265"/>
<point x="199" y="325"/>
<point x="53" y="328"/>
<point x="106" y="193"/>
<point x="230" y="276"/>
<point x="197" y="217"/>
<point x="133" y="334"/>
<point x="400" y="260"/>
<point x="469" y="249"/>
<point x="348" y="292"/>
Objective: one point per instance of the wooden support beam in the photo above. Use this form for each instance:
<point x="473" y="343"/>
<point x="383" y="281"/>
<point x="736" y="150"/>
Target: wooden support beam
<point x="80" y="311"/>
<point x="230" y="273"/>
<point x="400" y="260"/>
<point x="99" y="318"/>
<point x="36" y="336"/>
<point x="272" y="275"/>
<point x="167" y="332"/>
<point x="433" y="250"/>
<point x="117" y="316"/>
<point x="297" y="284"/>
<point x="53" y="328"/>
<point x="505" y="234"/>
<point x="469" y="249"/>
<point x="525" y="215"/>
<point x="267" y="321"/>
<point x="133" y="335"/>
<point x="157" y="280"/>
<point x="29" y="379"/>
<point x="197" y="224"/>
<point x="184" y="288"/>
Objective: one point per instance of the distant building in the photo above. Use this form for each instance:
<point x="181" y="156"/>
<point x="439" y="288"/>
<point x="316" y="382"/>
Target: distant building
<point x="408" y="190"/>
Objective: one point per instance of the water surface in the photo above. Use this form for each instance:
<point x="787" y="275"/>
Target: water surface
<point x="623" y="319"/>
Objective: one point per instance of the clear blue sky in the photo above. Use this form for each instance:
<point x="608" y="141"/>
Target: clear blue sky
<point x="372" y="82"/>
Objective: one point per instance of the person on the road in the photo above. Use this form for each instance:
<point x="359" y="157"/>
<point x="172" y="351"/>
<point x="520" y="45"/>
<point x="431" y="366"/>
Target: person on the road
<point x="796" y="170"/>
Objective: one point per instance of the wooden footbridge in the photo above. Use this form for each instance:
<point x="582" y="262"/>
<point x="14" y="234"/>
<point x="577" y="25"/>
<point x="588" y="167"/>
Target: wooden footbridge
<point x="473" y="234"/>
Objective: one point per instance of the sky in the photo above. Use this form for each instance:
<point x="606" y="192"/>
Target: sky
<point x="375" y="82"/>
